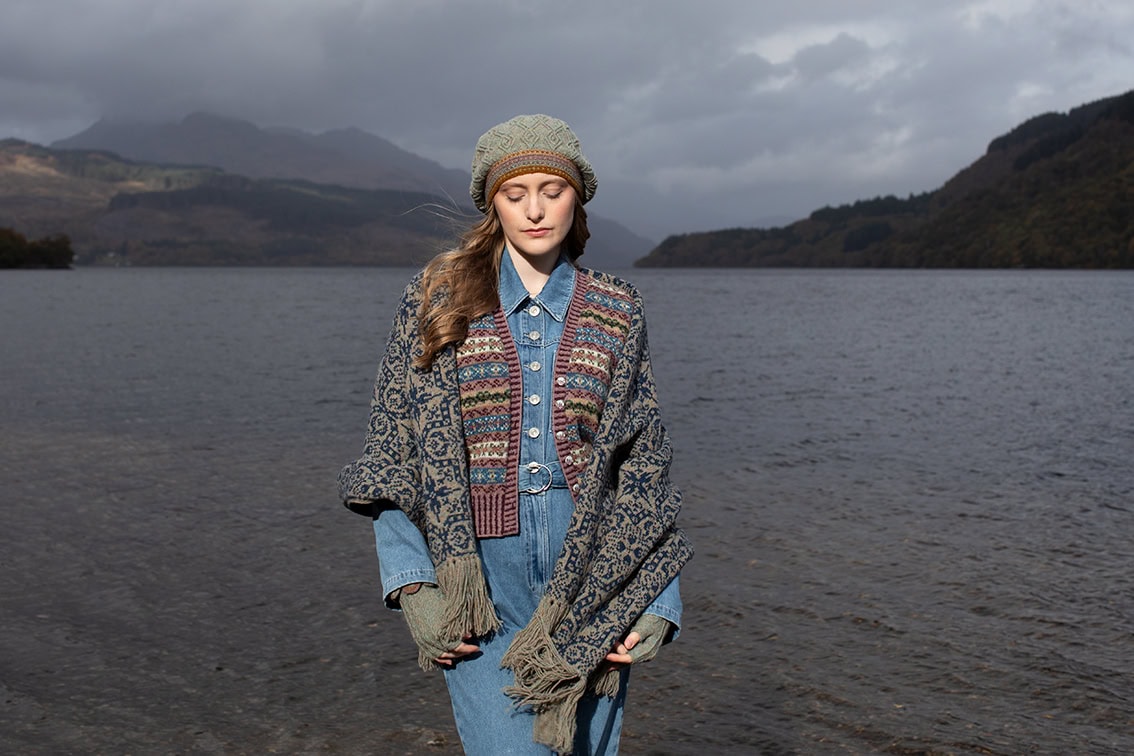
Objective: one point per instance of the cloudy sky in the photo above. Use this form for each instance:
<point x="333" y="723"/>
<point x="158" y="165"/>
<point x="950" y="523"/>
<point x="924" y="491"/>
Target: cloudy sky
<point x="697" y="115"/>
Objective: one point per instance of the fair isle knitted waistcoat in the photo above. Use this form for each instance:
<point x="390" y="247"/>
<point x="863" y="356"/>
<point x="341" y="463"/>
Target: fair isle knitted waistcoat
<point x="488" y="372"/>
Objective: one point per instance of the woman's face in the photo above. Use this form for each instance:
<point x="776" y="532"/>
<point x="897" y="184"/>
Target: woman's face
<point x="536" y="211"/>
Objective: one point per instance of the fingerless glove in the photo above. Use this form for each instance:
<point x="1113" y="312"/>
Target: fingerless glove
<point x="652" y="631"/>
<point x="424" y="611"/>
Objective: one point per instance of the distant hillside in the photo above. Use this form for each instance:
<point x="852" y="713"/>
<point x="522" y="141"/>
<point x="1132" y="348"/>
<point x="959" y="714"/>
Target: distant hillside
<point x="1055" y="192"/>
<point x="122" y="212"/>
<point x="348" y="157"/>
<point x="344" y="158"/>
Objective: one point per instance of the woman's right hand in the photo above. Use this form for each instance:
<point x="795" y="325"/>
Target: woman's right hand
<point x="463" y="649"/>
<point x="424" y="608"/>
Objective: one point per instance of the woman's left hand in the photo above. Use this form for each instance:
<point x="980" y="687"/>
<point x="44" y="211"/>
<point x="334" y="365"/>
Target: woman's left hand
<point x="642" y="642"/>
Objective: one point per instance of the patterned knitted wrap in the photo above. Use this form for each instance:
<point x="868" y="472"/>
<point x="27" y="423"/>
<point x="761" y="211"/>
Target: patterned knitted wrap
<point x="623" y="545"/>
<point x="488" y="369"/>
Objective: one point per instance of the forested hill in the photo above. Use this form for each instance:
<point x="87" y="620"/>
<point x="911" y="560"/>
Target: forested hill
<point x="120" y="212"/>
<point x="1055" y="192"/>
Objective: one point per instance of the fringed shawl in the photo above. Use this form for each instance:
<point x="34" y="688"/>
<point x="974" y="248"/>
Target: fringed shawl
<point x="622" y="547"/>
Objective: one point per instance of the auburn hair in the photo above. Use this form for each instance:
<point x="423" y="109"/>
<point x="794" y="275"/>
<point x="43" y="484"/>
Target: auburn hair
<point x="461" y="284"/>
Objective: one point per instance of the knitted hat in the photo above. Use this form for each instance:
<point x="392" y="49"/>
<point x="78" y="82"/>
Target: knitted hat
<point x="529" y="144"/>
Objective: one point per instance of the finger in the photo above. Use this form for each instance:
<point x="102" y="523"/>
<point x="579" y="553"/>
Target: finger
<point x="463" y="649"/>
<point x="619" y="658"/>
<point x="632" y="640"/>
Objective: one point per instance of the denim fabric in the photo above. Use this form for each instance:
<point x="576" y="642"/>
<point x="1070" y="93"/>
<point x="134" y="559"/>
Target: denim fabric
<point x="517" y="568"/>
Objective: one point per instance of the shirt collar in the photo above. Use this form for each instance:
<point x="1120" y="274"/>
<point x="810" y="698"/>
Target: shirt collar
<point x="556" y="293"/>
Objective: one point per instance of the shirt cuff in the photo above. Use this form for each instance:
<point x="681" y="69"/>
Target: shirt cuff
<point x="403" y="557"/>
<point x="668" y="605"/>
<point x="401" y="580"/>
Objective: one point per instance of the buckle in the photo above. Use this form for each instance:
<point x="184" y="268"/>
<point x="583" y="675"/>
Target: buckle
<point x="533" y="468"/>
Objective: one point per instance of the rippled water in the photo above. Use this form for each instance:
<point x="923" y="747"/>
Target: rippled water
<point x="910" y="493"/>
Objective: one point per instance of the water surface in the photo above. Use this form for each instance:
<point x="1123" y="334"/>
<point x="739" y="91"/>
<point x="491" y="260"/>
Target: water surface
<point x="910" y="494"/>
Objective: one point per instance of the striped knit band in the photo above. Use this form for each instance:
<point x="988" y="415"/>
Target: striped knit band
<point x="532" y="161"/>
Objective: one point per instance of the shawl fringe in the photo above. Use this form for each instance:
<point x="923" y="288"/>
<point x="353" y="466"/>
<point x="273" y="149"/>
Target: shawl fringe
<point x="544" y="680"/>
<point x="468" y="607"/>
<point x="605" y="681"/>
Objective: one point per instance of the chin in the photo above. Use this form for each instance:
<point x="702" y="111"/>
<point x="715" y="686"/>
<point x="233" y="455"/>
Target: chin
<point x="537" y="248"/>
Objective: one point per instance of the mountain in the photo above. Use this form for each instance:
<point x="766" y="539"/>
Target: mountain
<point x="349" y="158"/>
<point x="1055" y="192"/>
<point x="124" y="212"/>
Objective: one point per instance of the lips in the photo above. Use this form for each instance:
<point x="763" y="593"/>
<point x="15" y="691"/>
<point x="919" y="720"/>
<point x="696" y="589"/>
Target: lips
<point x="537" y="232"/>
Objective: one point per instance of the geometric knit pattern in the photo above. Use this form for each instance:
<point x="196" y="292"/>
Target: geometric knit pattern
<point x="490" y="414"/>
<point x="596" y="327"/>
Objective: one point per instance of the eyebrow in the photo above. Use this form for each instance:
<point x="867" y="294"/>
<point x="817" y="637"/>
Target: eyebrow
<point x="513" y="184"/>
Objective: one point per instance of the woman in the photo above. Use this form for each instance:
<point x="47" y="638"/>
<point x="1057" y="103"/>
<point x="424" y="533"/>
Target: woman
<point x="516" y="467"/>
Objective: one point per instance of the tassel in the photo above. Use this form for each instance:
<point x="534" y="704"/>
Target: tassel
<point x="606" y="681"/>
<point x="468" y="607"/>
<point x="555" y="727"/>
<point x="544" y="680"/>
<point x="534" y="640"/>
<point x="426" y="663"/>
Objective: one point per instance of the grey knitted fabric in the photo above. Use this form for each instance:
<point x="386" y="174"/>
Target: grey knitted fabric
<point x="529" y="144"/>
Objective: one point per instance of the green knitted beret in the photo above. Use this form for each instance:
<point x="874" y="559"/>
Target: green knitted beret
<point x="529" y="144"/>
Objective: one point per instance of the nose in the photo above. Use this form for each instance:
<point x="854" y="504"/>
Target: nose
<point x="534" y="208"/>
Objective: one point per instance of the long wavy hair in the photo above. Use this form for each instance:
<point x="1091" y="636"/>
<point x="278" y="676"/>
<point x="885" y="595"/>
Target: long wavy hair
<point x="461" y="284"/>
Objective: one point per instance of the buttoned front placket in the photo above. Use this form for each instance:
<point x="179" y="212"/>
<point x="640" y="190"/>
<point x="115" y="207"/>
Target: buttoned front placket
<point x="536" y="323"/>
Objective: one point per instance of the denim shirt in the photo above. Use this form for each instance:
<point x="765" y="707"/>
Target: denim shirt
<point x="536" y="323"/>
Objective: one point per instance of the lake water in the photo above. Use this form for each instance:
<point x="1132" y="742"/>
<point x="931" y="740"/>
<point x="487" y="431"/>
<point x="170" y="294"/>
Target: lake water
<point x="910" y="493"/>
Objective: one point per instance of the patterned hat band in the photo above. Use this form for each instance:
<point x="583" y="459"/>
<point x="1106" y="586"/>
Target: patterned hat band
<point x="532" y="161"/>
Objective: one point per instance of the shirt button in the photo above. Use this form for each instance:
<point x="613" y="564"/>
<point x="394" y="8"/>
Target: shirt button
<point x="533" y="432"/>
<point x="561" y="381"/>
<point x="533" y="310"/>
<point x="535" y="366"/>
<point x="533" y="399"/>
<point x="569" y="460"/>
<point x="561" y="435"/>
<point x="559" y="404"/>
<point x="533" y="335"/>
<point x="575" y="488"/>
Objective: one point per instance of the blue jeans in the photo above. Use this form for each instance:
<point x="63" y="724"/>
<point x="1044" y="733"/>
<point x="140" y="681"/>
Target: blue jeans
<point x="517" y="569"/>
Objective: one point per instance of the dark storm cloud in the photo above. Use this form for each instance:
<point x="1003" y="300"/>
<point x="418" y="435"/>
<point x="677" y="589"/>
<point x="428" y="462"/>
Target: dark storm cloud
<point x="723" y="112"/>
